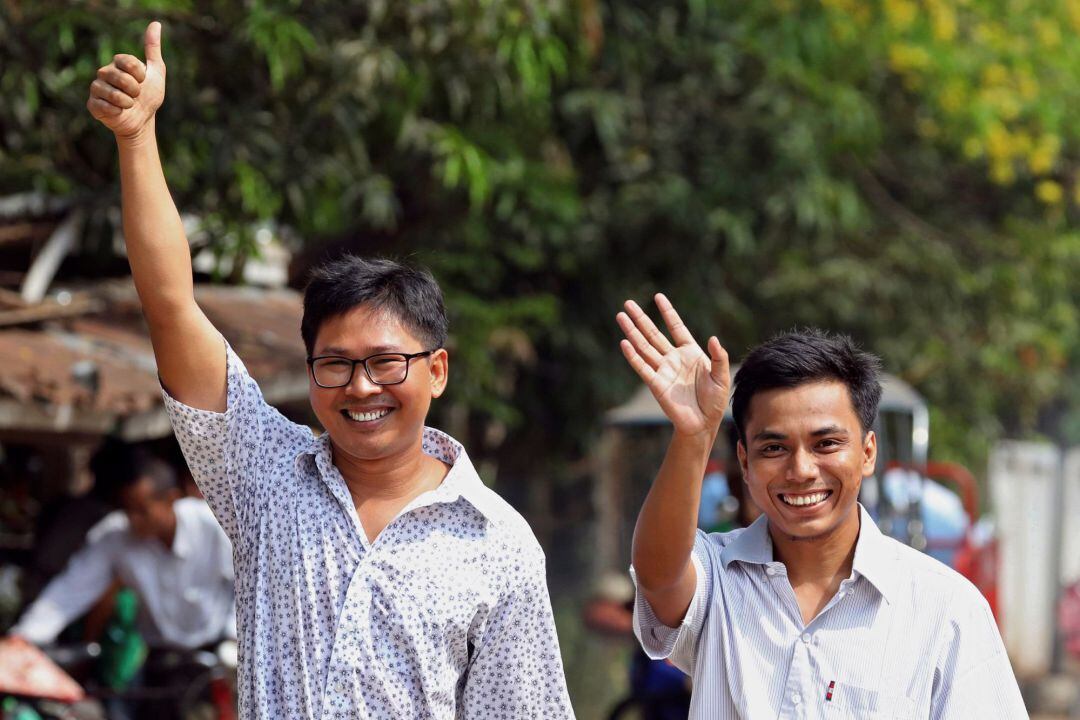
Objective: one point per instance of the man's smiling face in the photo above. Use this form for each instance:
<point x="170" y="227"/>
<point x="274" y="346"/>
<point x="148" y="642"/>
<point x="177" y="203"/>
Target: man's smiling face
<point x="804" y="458"/>
<point x="368" y="421"/>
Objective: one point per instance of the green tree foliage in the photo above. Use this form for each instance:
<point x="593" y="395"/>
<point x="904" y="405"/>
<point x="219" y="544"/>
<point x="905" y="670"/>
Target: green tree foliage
<point x="775" y="164"/>
<point x="902" y="170"/>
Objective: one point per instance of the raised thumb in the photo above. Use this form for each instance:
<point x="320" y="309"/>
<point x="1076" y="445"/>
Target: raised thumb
<point x="153" y="42"/>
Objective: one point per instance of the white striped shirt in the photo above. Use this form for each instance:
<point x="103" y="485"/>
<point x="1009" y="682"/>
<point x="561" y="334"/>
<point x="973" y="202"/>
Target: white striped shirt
<point x="904" y="637"/>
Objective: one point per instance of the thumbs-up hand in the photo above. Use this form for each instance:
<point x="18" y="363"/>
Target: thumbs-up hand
<point x="127" y="92"/>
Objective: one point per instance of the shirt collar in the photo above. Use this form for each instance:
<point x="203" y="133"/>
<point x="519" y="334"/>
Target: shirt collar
<point x="461" y="482"/>
<point x="875" y="559"/>
<point x="753" y="545"/>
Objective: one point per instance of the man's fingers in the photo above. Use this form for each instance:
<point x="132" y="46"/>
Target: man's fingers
<point x="641" y="345"/>
<point x="720" y="367"/>
<point x="679" y="332"/>
<point x="101" y="89"/>
<point x="120" y="80"/>
<point x="152" y="42"/>
<point x="132" y="65"/>
<point x="647" y="328"/>
<point x="100" y="108"/>
<point x="642" y="368"/>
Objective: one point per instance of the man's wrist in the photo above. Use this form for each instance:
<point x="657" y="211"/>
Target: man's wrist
<point x="141" y="138"/>
<point x="705" y="437"/>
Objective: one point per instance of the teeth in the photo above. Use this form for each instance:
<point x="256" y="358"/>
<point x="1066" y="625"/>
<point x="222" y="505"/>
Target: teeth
<point x="803" y="500"/>
<point x="368" y="416"/>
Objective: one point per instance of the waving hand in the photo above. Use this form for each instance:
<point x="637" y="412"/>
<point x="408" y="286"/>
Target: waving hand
<point x="691" y="387"/>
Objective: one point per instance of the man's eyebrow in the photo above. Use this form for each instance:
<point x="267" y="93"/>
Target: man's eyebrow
<point x="769" y="435"/>
<point x="335" y="350"/>
<point x="830" y="430"/>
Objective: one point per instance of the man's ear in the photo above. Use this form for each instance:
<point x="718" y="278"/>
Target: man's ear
<point x="869" y="453"/>
<point x="439" y="368"/>
<point x="740" y="450"/>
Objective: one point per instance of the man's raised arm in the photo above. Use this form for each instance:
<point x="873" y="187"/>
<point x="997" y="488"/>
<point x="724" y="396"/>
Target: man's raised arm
<point x="692" y="389"/>
<point x="190" y="355"/>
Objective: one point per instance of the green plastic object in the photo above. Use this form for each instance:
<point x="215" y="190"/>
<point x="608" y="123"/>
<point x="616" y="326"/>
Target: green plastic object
<point x="15" y="710"/>
<point x="123" y="649"/>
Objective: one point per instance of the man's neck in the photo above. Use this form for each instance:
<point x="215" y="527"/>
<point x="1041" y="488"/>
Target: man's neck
<point x="823" y="561"/>
<point x="381" y="488"/>
<point x="168" y="535"/>
<point x="401" y="476"/>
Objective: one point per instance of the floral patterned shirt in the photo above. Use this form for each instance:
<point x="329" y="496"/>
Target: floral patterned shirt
<point x="445" y="615"/>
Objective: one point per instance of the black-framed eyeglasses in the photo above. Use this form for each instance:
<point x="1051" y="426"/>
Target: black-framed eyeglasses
<point x="334" y="371"/>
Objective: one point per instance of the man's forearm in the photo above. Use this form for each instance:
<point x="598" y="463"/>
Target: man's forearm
<point x="157" y="247"/>
<point x="666" y="525"/>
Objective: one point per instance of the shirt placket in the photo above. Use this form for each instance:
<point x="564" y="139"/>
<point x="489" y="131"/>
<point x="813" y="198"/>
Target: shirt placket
<point x="350" y="641"/>
<point x="353" y="637"/>
<point x="808" y="694"/>
<point x="796" y="701"/>
<point x="339" y="697"/>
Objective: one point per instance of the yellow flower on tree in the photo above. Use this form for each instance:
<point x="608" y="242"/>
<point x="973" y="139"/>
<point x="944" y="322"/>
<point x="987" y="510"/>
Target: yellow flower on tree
<point x="1049" y="192"/>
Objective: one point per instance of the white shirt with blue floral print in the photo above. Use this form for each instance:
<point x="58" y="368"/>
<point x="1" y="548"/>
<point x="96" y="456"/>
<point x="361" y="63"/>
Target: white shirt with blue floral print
<point x="445" y="615"/>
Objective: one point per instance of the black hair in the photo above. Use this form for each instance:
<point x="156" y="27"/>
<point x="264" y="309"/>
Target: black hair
<point x="806" y="356"/>
<point x="118" y="466"/>
<point x="147" y="466"/>
<point x="409" y="294"/>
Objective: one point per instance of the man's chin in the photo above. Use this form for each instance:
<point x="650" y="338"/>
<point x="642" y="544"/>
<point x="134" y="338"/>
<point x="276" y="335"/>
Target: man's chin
<point x="810" y="529"/>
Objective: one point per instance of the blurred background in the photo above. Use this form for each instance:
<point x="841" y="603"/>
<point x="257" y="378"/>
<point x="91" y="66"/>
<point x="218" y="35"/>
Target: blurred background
<point x="905" y="171"/>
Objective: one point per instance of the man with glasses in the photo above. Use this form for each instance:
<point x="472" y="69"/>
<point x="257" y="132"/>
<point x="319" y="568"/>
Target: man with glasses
<point x="376" y="575"/>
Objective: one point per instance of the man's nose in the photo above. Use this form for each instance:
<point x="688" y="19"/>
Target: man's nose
<point x="361" y="385"/>
<point x="803" y="466"/>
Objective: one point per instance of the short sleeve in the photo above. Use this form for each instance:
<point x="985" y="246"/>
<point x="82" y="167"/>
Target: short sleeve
<point x="677" y="644"/>
<point x="234" y="455"/>
<point x="517" y="670"/>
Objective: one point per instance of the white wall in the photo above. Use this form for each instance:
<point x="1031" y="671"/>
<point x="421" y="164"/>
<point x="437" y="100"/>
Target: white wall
<point x="1023" y="479"/>
<point x="1070" y="545"/>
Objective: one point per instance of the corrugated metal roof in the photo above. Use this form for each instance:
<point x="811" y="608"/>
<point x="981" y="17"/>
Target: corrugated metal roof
<point x="96" y="373"/>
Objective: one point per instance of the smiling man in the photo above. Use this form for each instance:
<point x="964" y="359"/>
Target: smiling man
<point x="376" y="576"/>
<point x="810" y="612"/>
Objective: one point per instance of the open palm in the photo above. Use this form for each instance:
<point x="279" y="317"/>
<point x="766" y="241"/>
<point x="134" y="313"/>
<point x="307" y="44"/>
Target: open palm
<point x="691" y="387"/>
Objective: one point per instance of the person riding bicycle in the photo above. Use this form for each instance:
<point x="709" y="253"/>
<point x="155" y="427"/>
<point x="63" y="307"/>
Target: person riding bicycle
<point x="167" y="549"/>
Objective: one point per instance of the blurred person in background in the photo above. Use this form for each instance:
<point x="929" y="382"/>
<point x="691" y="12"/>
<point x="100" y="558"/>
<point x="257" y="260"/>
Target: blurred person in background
<point x="169" y="550"/>
<point x="61" y="527"/>
<point x="158" y="574"/>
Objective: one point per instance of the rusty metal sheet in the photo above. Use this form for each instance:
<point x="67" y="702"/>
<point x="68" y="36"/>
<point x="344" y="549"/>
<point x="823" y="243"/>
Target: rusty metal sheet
<point x="103" y="363"/>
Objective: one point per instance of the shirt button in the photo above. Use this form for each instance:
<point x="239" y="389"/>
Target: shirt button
<point x="796" y="698"/>
<point x="841" y="594"/>
<point x="342" y="688"/>
<point x="806" y="638"/>
<point x="770" y="570"/>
